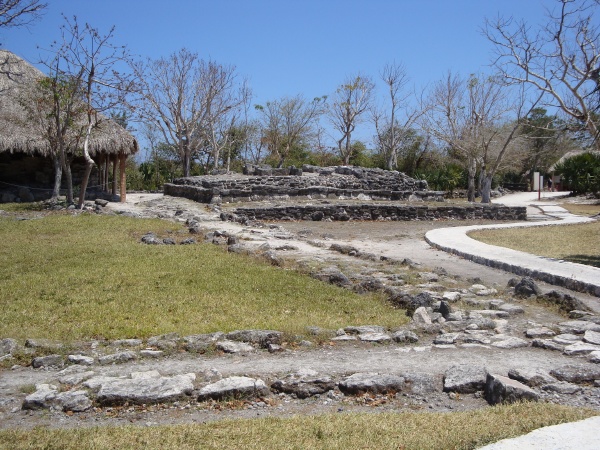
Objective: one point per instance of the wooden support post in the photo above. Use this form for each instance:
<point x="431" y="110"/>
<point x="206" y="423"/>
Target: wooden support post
<point x="123" y="159"/>
<point x="106" y="160"/>
<point x="114" y="175"/>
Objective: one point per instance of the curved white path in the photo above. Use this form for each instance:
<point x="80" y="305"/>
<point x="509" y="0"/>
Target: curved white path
<point x="574" y="276"/>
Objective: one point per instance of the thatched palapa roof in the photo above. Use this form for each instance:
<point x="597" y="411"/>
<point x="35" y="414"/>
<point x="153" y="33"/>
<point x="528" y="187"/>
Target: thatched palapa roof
<point x="18" y="135"/>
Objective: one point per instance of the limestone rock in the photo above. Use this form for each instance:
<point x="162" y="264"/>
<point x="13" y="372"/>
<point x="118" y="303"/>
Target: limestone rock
<point x="333" y="275"/>
<point x="464" y="379"/>
<point x="140" y="390"/>
<point x="510" y="342"/>
<point x="580" y="348"/>
<point x="411" y="302"/>
<point x="512" y="310"/>
<point x="115" y="358"/>
<point x="422" y="383"/>
<point x="566" y="339"/>
<point x="234" y="347"/>
<point x="151" y="353"/>
<point x="531" y="377"/>
<point x="562" y="387"/>
<point x="150" y="239"/>
<point x="237" y="387"/>
<point x="41" y="398"/>
<point x="304" y="386"/>
<point x="380" y="338"/>
<point x="565" y="301"/>
<point x="488" y="313"/>
<point x="48" y="361"/>
<point x="594" y="357"/>
<point x="127" y="343"/>
<point x="405" y="336"/>
<point x="446" y="338"/>
<point x="8" y="346"/>
<point x="76" y="378"/>
<point x="451" y="296"/>
<point x="81" y="360"/>
<point x="167" y="341"/>
<point x="200" y="343"/>
<point x="500" y="389"/>
<point x="345" y="337"/>
<point x="359" y="383"/>
<point x="547" y="344"/>
<point x="592" y="337"/>
<point x="364" y="329"/>
<point x="260" y="337"/>
<point x="76" y="401"/>
<point x="576" y="373"/>
<point x="540" y="332"/>
<point x="421" y="316"/>
<point x="578" y="326"/>
<point x="527" y="287"/>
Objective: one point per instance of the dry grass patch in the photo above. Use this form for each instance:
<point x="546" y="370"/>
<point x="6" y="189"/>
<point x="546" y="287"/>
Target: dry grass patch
<point x="78" y="277"/>
<point x="582" y="209"/>
<point x="578" y="243"/>
<point x="422" y="431"/>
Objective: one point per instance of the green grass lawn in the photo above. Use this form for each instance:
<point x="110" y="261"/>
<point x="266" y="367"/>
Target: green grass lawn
<point x="87" y="276"/>
<point x="578" y="243"/>
<point x="419" y="431"/>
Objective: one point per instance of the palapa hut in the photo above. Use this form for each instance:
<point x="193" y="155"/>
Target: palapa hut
<point x="26" y="166"/>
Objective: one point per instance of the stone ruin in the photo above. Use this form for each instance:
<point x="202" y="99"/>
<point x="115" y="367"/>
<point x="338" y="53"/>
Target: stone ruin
<point x="261" y="183"/>
<point x="335" y="193"/>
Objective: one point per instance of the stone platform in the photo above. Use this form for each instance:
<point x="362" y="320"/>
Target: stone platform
<point x="310" y="182"/>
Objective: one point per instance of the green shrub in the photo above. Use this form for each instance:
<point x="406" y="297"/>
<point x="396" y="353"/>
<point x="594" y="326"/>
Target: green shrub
<point x="581" y="173"/>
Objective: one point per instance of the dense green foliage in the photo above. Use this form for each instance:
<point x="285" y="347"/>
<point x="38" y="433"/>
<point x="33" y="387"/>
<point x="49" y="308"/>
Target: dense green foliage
<point x="581" y="173"/>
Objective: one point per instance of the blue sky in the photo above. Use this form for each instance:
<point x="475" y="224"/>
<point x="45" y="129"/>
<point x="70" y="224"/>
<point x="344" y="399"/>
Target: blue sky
<point x="286" y="47"/>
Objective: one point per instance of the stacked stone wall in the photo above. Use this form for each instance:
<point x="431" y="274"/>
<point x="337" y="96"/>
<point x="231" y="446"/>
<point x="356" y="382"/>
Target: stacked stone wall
<point x="373" y="211"/>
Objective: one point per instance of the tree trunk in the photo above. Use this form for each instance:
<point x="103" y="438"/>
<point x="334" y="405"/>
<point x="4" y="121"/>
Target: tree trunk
<point x="471" y="180"/>
<point x="486" y="188"/>
<point x="216" y="162"/>
<point x="186" y="163"/>
<point x="84" y="183"/>
<point x="57" y="178"/>
<point x="89" y="164"/>
<point x="69" y="180"/>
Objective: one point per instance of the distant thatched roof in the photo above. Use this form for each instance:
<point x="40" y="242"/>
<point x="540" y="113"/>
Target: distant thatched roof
<point x="17" y="135"/>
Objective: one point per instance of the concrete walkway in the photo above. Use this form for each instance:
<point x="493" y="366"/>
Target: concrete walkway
<point x="582" y="435"/>
<point x="573" y="276"/>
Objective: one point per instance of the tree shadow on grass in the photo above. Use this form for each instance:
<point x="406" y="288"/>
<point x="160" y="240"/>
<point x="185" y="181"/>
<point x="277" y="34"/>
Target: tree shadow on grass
<point x="588" y="260"/>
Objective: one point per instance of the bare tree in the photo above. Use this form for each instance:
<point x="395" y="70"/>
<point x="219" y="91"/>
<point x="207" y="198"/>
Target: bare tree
<point x="89" y="60"/>
<point x="394" y="122"/>
<point x="561" y="59"/>
<point x="289" y="121"/>
<point x="16" y="13"/>
<point x="186" y="98"/>
<point x="478" y="119"/>
<point x="350" y="101"/>
<point x="53" y="105"/>
<point x="223" y="108"/>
